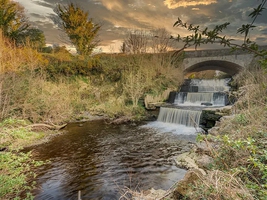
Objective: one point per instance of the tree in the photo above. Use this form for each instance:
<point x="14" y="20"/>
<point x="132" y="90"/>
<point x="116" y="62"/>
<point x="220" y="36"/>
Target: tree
<point x="140" y="41"/>
<point x="136" y="42"/>
<point x="12" y="19"/>
<point x="161" y="40"/>
<point x="81" y="31"/>
<point x="35" y="37"/>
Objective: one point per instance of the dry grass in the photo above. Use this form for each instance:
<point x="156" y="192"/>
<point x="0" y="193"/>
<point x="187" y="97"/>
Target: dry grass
<point x="242" y="141"/>
<point x="218" y="185"/>
<point x="17" y="59"/>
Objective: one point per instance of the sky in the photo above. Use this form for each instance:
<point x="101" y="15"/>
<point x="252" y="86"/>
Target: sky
<point x="118" y="17"/>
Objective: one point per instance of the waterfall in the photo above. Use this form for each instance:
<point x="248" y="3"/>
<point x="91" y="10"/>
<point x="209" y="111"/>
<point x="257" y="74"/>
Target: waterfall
<point x="198" y="98"/>
<point x="197" y="92"/>
<point x="212" y="85"/>
<point x="193" y="97"/>
<point x="189" y="118"/>
<point x="199" y="85"/>
<point x="185" y="114"/>
<point x="180" y="98"/>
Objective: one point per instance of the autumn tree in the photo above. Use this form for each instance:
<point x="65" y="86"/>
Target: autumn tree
<point x="80" y="29"/>
<point x="12" y="19"/>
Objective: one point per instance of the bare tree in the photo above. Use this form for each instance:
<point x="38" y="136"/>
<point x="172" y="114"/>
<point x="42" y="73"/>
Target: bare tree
<point x="136" y="42"/>
<point x="161" y="40"/>
<point x="156" y="41"/>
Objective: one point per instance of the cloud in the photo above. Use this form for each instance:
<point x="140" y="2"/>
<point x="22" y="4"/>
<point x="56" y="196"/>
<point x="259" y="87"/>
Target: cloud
<point x="117" y="17"/>
<point x="173" y="4"/>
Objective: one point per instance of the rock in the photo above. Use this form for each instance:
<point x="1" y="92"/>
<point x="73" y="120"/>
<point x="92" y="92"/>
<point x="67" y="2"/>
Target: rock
<point x="214" y="130"/>
<point x="183" y="187"/>
<point x="121" y="120"/>
<point x="206" y="104"/>
<point x="204" y="161"/>
<point x="202" y="148"/>
<point x="151" y="194"/>
<point x="188" y="161"/>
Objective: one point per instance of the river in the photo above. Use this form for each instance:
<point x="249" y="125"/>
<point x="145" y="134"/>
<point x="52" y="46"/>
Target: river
<point x="101" y="159"/>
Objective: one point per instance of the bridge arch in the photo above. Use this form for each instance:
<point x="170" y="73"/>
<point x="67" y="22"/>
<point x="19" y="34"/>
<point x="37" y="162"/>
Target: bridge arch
<point x="221" y="65"/>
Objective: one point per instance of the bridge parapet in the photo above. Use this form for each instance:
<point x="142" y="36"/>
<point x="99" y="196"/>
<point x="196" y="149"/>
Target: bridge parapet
<point x="217" y="52"/>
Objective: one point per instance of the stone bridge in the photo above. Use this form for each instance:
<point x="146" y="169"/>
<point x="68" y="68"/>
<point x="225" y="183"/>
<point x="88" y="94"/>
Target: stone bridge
<point x="225" y="60"/>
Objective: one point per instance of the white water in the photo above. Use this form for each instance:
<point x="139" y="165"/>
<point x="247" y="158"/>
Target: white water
<point x="189" y="118"/>
<point x="212" y="85"/>
<point x="177" y="121"/>
<point x="197" y="98"/>
<point x="186" y="122"/>
<point x="178" y="129"/>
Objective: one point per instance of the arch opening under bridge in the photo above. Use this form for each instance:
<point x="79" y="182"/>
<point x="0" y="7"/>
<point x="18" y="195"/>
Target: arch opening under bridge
<point x="218" y="65"/>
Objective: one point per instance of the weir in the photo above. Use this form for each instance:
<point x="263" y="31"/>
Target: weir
<point x="201" y="98"/>
<point x="189" y="118"/>
<point x="198" y="94"/>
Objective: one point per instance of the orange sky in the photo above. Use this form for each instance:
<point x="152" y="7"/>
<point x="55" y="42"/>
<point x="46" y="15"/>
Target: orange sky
<point x="117" y="17"/>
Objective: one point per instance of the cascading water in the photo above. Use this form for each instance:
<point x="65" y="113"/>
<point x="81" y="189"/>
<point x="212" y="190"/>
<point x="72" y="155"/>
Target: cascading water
<point x="205" y="85"/>
<point x="195" y="94"/>
<point x="201" y="98"/>
<point x="189" y="118"/>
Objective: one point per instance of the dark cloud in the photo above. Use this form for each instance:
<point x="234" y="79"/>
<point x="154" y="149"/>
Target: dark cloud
<point x="117" y="17"/>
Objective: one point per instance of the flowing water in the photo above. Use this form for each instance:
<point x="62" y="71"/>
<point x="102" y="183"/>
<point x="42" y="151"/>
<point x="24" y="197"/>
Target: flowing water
<point x="101" y="159"/>
<point x="197" y="92"/>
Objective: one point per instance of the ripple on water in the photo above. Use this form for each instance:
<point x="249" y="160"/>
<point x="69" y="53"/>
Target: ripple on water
<point x="99" y="159"/>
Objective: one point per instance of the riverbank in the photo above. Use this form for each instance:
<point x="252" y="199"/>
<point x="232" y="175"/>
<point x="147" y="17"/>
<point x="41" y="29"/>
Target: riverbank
<point x="230" y="161"/>
<point x="15" y="166"/>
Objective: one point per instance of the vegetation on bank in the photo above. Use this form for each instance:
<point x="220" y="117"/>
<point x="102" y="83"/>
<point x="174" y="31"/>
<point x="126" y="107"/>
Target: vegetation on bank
<point x="238" y="147"/>
<point x="57" y="87"/>
<point x="42" y="87"/>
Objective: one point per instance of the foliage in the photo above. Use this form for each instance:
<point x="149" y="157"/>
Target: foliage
<point x="17" y="59"/>
<point x="12" y="19"/>
<point x="81" y="31"/>
<point x="16" y="167"/>
<point x="35" y="38"/>
<point x="16" y="170"/>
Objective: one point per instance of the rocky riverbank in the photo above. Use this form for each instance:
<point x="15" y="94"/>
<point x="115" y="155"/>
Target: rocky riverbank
<point x="199" y="161"/>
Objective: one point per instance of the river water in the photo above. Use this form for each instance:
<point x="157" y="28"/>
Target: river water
<point x="101" y="159"/>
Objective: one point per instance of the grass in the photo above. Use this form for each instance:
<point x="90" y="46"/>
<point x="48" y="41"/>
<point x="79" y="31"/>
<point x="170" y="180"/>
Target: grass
<point x="15" y="134"/>
<point x="15" y="171"/>
<point x="15" y="166"/>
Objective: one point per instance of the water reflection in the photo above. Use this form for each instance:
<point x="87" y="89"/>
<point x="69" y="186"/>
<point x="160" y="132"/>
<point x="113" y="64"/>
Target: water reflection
<point x="99" y="159"/>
